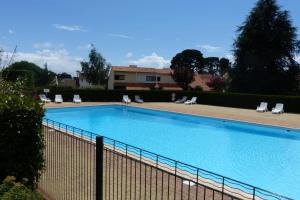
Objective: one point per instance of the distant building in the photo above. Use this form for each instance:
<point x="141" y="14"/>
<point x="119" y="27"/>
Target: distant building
<point x="67" y="82"/>
<point x="140" y="78"/>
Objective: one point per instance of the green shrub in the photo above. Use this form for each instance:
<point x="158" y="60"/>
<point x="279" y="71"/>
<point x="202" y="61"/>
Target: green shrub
<point x="198" y="88"/>
<point x="14" y="75"/>
<point x="238" y="100"/>
<point x="21" y="139"/>
<point x="10" y="190"/>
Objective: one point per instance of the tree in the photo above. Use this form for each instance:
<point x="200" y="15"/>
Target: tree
<point x="185" y="64"/>
<point x="211" y="65"/>
<point x="264" y="52"/>
<point x="96" y="70"/>
<point x="224" y="66"/>
<point x="30" y="71"/>
<point x="64" y="75"/>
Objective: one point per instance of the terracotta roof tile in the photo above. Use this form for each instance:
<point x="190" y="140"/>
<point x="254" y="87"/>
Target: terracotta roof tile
<point x="141" y="70"/>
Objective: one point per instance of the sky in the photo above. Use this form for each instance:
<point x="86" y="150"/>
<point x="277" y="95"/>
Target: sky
<point x="140" y="32"/>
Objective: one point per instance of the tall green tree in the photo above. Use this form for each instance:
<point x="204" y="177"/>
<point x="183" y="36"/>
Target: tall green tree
<point x="211" y="65"/>
<point x="224" y="66"/>
<point x="185" y="64"/>
<point x="264" y="52"/>
<point x="96" y="70"/>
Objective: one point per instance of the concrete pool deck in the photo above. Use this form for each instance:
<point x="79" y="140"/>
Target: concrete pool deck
<point x="289" y="120"/>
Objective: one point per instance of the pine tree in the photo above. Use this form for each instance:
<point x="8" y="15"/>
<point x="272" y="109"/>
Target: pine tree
<point x="265" y="51"/>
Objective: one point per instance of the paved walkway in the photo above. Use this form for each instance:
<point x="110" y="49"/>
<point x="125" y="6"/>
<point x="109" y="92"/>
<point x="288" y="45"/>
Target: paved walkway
<point x="287" y="119"/>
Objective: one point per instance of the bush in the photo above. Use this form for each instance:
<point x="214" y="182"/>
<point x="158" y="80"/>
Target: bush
<point x="10" y="190"/>
<point x="21" y="139"/>
<point x="13" y="75"/>
<point x="198" y="88"/>
<point x="217" y="83"/>
<point x="237" y="100"/>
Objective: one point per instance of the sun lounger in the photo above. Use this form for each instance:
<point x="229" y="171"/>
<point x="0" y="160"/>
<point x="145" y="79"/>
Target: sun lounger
<point x="278" y="108"/>
<point x="182" y="100"/>
<point x="44" y="99"/>
<point x="58" y="98"/>
<point x="76" y="98"/>
<point x="138" y="99"/>
<point x="263" y="107"/>
<point x="126" y="99"/>
<point x="192" y="101"/>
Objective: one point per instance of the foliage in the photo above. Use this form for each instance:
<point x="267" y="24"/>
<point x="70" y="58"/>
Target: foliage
<point x="211" y="65"/>
<point x="10" y="190"/>
<point x="185" y="64"/>
<point x="224" y="66"/>
<point x="21" y="139"/>
<point x="33" y="73"/>
<point x="264" y="52"/>
<point x="238" y="100"/>
<point x="217" y="83"/>
<point x="64" y="75"/>
<point x="96" y="70"/>
<point x="198" y="88"/>
<point x="13" y="75"/>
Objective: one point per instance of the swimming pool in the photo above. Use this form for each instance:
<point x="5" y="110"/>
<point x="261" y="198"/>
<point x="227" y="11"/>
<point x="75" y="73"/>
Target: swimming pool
<point x="264" y="156"/>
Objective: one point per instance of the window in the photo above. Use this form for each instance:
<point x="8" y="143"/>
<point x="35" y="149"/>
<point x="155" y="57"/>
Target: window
<point x="150" y="78"/>
<point x="158" y="78"/>
<point x="119" y="77"/>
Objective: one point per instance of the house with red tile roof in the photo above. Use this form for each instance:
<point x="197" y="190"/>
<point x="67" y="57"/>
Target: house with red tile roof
<point x="141" y="78"/>
<point x="133" y="77"/>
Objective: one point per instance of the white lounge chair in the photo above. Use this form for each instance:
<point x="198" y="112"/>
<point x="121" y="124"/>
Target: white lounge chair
<point x="76" y="98"/>
<point x="192" y="101"/>
<point x="126" y="99"/>
<point x="138" y="99"/>
<point x="278" y="108"/>
<point x="263" y="107"/>
<point x="182" y="100"/>
<point x="58" y="98"/>
<point x="44" y="99"/>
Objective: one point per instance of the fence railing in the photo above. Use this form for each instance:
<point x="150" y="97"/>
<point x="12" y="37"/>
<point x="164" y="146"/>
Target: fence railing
<point x="77" y="159"/>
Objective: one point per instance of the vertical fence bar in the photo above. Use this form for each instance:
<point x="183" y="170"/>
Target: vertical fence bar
<point x="223" y="182"/>
<point x="254" y="193"/>
<point x="99" y="168"/>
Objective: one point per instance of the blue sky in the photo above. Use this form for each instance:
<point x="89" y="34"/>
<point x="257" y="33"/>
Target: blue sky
<point x="146" y="33"/>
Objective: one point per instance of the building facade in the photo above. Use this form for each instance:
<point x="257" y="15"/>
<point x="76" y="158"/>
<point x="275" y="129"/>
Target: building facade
<point x="140" y="78"/>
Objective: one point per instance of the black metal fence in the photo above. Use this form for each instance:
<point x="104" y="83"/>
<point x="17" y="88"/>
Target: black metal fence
<point x="84" y="165"/>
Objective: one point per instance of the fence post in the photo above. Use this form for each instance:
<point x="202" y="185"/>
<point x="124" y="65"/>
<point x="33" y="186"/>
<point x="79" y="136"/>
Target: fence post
<point x="99" y="168"/>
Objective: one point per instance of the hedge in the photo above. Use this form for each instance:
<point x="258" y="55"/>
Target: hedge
<point x="21" y="138"/>
<point x="237" y="100"/>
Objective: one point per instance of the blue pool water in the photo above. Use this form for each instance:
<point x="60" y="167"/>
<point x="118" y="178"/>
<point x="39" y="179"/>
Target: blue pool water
<point x="264" y="156"/>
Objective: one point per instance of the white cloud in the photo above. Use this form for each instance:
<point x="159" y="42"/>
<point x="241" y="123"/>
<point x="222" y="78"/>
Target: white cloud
<point x="209" y="48"/>
<point x="85" y="46"/>
<point x="69" y="28"/>
<point x="10" y="31"/>
<point x="122" y="36"/>
<point x="152" y="60"/>
<point x="230" y="57"/>
<point x="43" y="45"/>
<point x="57" y="60"/>
<point x="129" y="55"/>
